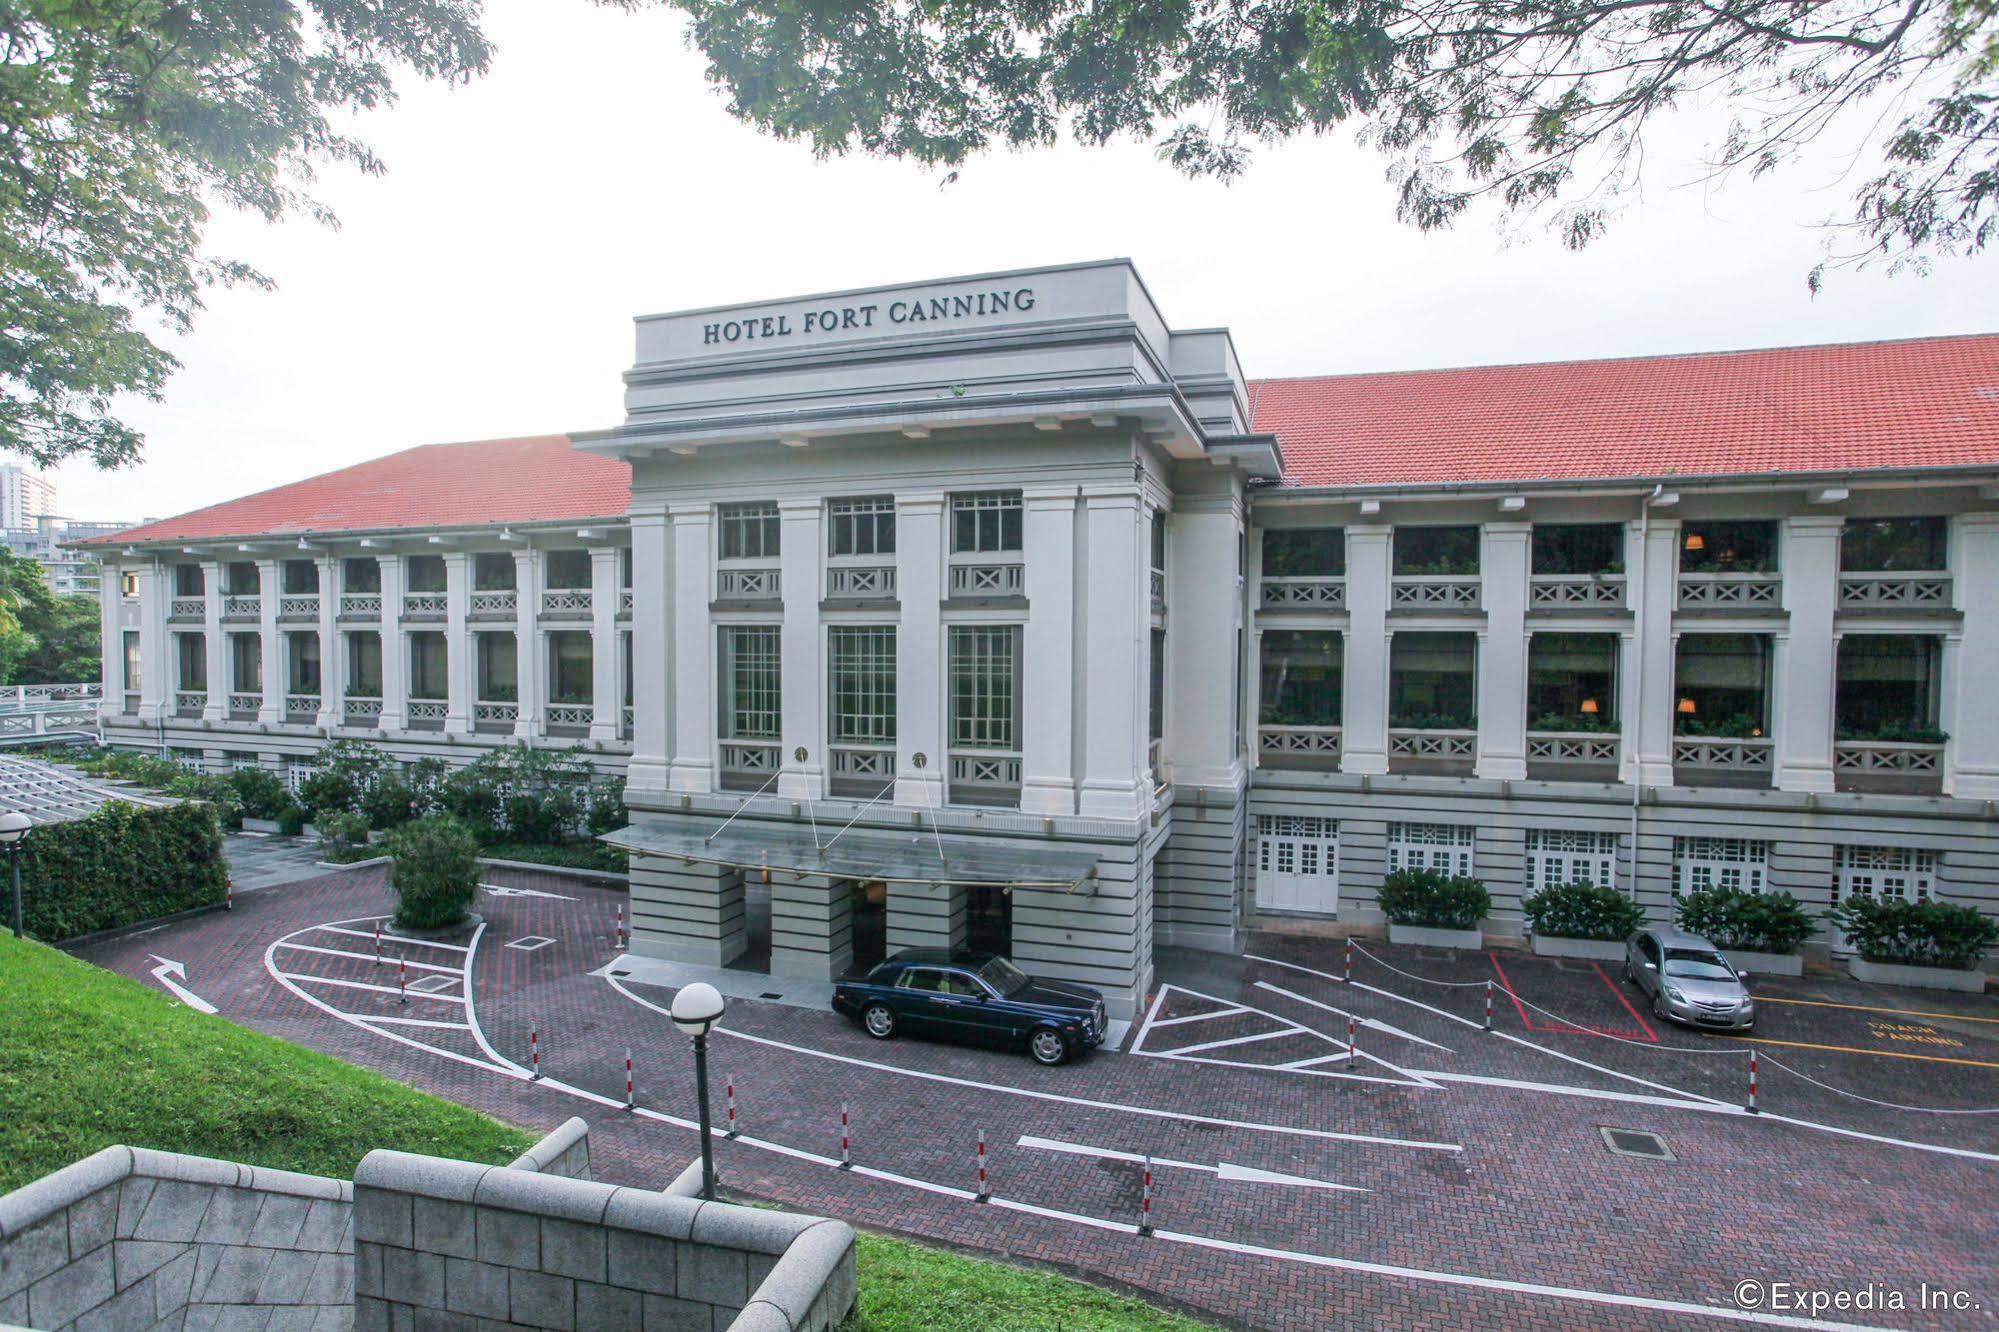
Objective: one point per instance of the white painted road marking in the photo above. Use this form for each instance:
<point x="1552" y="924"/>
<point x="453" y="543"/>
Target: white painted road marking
<point x="400" y="940"/>
<point x="1230" y="1011"/>
<point x="1403" y="1076"/>
<point x="165" y="972"/>
<point x="1375" y="1024"/>
<point x="387" y="959"/>
<point x="1223" y="1170"/>
<point x="501" y="890"/>
<point x="363" y="985"/>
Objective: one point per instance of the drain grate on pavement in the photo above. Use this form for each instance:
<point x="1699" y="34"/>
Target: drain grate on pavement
<point x="1632" y="1142"/>
<point x="528" y="943"/>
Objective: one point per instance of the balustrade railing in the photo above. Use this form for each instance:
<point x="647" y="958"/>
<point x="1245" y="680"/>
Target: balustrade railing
<point x="1159" y="589"/>
<point x="1731" y="591"/>
<point x="1576" y="591"/>
<point x="991" y="769"/>
<point x="625" y="722"/>
<point x="301" y="707"/>
<point x="1298" y="742"/>
<point x="566" y="602"/>
<point x="1901" y="758"/>
<point x="59" y="720"/>
<point x="1894" y="591"/>
<point x="751" y="757"/>
<point x="242" y="705"/>
<point x="187" y="608"/>
<point x="362" y="711"/>
<point x="569" y="716"/>
<point x="299" y="606"/>
<point x="1751" y="754"/>
<point x="427" y="712"/>
<point x="495" y="714"/>
<point x="242" y="606"/>
<point x="1304" y="593"/>
<point x="1572" y="746"/>
<point x="360" y="605"/>
<point x="860" y="580"/>
<point x="1452" y="746"/>
<point x="15" y="697"/>
<point x="747" y="584"/>
<point x="1441" y="592"/>
<point x="625" y="602"/>
<point x="425" y="605"/>
<point x="190" y="702"/>
<point x="494" y="603"/>
<point x="862" y="763"/>
<point x="1008" y="579"/>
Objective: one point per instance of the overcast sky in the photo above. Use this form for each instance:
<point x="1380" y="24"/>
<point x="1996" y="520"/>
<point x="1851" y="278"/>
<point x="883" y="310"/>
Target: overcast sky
<point x="485" y="286"/>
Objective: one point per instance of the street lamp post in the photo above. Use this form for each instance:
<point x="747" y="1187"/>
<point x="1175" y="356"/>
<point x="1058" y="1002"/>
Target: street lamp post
<point x="697" y="1008"/>
<point x="14" y="827"/>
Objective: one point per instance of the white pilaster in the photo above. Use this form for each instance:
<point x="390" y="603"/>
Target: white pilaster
<point x="1505" y="562"/>
<point x="1647" y="718"/>
<point x="919" y="651"/>
<point x="395" y="646"/>
<point x="460" y="663"/>
<point x="530" y="652"/>
<point x="692" y="767"/>
<point x="1117" y="670"/>
<point x="607" y="701"/>
<point x="1364" y="664"/>
<point x="110" y="641"/>
<point x="652" y="608"/>
<point x="332" y="653"/>
<point x="1806" y="665"/>
<point x="1971" y="770"/>
<point x="270" y="587"/>
<point x="214" y="645"/>
<point x="802" y="675"/>
<point x="1048" y="652"/>
<point x="1204" y="610"/>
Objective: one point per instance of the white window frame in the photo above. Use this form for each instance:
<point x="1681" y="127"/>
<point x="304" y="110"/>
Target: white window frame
<point x="1556" y="856"/>
<point x="984" y="663"/>
<point x="989" y="509"/>
<point x="1897" y="873"/>
<point x="755" y="530"/>
<point x="1442" y="846"/>
<point x="861" y="649"/>
<point x="763" y="644"/>
<point x="1720" y="862"/>
<point x="861" y="529"/>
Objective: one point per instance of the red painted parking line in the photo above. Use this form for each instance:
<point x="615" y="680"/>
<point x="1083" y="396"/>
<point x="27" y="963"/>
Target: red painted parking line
<point x="1570" y="1029"/>
<point x="1636" y="1016"/>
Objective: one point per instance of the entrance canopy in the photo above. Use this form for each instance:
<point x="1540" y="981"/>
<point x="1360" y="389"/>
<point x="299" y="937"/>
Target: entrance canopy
<point x="918" y="856"/>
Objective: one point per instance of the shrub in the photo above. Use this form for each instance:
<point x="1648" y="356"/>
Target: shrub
<point x="120" y="865"/>
<point x="1920" y="934"/>
<point x="470" y="796"/>
<point x="1432" y="899"/>
<point x="291" y="817"/>
<point x="1728" y="918"/>
<point x="434" y="872"/>
<point x="343" y="837"/>
<point x="1582" y="911"/>
<point x="606" y="812"/>
<point x="346" y="769"/>
<point x="260" y="792"/>
<point x="389" y="802"/>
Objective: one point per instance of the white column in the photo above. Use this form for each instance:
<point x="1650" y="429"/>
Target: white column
<point x="155" y="688"/>
<point x="215" y="646"/>
<point x="920" y="673"/>
<point x="1805" y="664"/>
<point x="1117" y="671"/>
<point x="802" y="676"/>
<point x="1970" y="717"/>
<point x="270" y="587"/>
<point x="1505" y="562"/>
<point x="692" y="767"/>
<point x="1204" y="612"/>
<point x="1048" y="652"/>
<point x="606" y="700"/>
<point x="460" y="667"/>
<point x="652" y="606"/>
<point x="395" y="646"/>
<point x="332" y="656"/>
<point x="530" y="652"/>
<point x="1364" y="664"/>
<point x="110" y="641"/>
<point x="1648" y="698"/>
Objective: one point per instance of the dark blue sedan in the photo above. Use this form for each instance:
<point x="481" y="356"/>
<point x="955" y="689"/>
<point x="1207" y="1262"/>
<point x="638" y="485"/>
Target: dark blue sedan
<point x="975" y="998"/>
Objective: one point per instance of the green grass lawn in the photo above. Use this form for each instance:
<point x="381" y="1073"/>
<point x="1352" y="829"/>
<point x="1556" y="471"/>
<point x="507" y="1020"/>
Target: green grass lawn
<point x="95" y="1059"/>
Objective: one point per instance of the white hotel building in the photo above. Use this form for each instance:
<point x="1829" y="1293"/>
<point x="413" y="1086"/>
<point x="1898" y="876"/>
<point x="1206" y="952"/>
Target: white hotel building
<point x="996" y="609"/>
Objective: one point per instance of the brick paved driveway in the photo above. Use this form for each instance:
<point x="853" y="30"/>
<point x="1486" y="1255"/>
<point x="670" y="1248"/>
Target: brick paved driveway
<point x="1448" y="1177"/>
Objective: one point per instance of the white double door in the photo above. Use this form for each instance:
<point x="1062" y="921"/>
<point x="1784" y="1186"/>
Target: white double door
<point x="1297" y="863"/>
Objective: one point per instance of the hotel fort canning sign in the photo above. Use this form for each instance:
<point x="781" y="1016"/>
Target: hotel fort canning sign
<point x="813" y="320"/>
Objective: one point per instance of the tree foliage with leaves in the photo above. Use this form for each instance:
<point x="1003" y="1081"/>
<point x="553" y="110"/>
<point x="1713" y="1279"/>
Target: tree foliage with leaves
<point x="44" y="638"/>
<point x="1539" y="105"/>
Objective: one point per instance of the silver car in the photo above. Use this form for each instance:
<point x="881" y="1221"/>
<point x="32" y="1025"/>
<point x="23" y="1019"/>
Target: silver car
<point x="1689" y="980"/>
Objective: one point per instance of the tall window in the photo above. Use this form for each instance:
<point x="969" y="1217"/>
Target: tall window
<point x="193" y="662"/>
<point x="429" y="665"/>
<point x="1733" y="863"/>
<point x="1436" y="550"/>
<point x="1888" y="686"/>
<point x="1557" y="856"/>
<point x="364" y="665"/>
<point x="1304" y="552"/>
<point x="985" y="524"/>
<point x="303" y="664"/>
<point x="750" y="531"/>
<point x="1432" y="681"/>
<point x="1439" y="846"/>
<point x="1301" y="677"/>
<point x="361" y="575"/>
<point x="568" y="569"/>
<point x="862" y="684"/>
<point x="1159" y="540"/>
<point x="1572" y="682"/>
<point x="499" y="669"/>
<point x="246" y="663"/>
<point x="1578" y="548"/>
<point x="985" y="686"/>
<point x="1728" y="547"/>
<point x="301" y="578"/>
<point x="1893" y="545"/>
<point x="569" y="667"/>
<point x="426" y="573"/>
<point x="132" y="659"/>
<point x="492" y="572"/>
<point x="1722" y="685"/>
<point x="187" y="580"/>
<point x="861" y="526"/>
<point x="1156" y="727"/>
<point x="239" y="578"/>
<point x="752" y="682"/>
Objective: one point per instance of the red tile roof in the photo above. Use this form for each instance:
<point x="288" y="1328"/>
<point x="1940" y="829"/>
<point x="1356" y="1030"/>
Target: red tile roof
<point x="1932" y="402"/>
<point x="537" y="479"/>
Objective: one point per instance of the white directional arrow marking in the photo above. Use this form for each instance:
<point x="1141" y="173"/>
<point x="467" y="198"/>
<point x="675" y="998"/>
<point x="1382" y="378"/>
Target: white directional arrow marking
<point x="165" y="972"/>
<point x="1240" y="1174"/>
<point x="499" y="890"/>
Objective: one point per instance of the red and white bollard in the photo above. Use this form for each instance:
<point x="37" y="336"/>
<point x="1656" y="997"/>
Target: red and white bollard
<point x="631" y="1101"/>
<point x="534" y="1054"/>
<point x="402" y="980"/>
<point x="729" y="1129"/>
<point x="1752" y="1083"/>
<point x="1352" y="1057"/>
<point x="378" y="943"/>
<point x="1488" y="1005"/>
<point x="846" y="1145"/>
<point x="984" y="1194"/>
<point x="228" y="894"/>
<point x="1349" y="977"/>
<point x="619" y="937"/>
<point x="1145" y="1198"/>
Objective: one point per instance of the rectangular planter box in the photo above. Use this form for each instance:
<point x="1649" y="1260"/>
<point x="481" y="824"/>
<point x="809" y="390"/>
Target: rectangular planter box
<point x="1431" y="938"/>
<point x="1600" y="950"/>
<point x="260" y="825"/>
<point x="1922" y="978"/>
<point x="1766" y="964"/>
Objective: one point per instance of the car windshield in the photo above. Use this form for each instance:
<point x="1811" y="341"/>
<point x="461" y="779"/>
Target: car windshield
<point x="1003" y="976"/>
<point x="1697" y="964"/>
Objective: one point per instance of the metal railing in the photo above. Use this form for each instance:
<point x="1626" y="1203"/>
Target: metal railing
<point x="1454" y="746"/>
<point x="1731" y="591"/>
<point x="1573" y="746"/>
<point x="1304" y="593"/>
<point x="747" y="584"/>
<point x="1753" y="754"/>
<point x="1446" y="592"/>
<point x="1316" y="742"/>
<point x="860" y="580"/>
<point x="1579" y="591"/>
<point x="566" y="602"/>
<point x="1894" y="591"/>
<point x="1007" y="579"/>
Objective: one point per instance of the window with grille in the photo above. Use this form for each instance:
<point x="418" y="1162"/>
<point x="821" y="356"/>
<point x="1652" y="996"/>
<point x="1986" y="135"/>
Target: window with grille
<point x="985" y="523"/>
<point x="570" y="668"/>
<point x="752" y="682"/>
<point x="862" y="684"/>
<point x="985" y="686"/>
<point x="364" y="665"/>
<point x="1296" y="844"/>
<point x="132" y="660"/>
<point x="246" y="663"/>
<point x="1556" y="857"/>
<point x="1734" y="863"/>
<point x="1895" y="873"/>
<point x="1438" y="846"/>
<point x="750" y="531"/>
<point x="304" y="662"/>
<point x="861" y="526"/>
<point x="192" y="650"/>
<point x="429" y="664"/>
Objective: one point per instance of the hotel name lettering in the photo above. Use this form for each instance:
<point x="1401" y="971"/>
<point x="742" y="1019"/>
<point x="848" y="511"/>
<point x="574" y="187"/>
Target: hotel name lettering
<point x="851" y="318"/>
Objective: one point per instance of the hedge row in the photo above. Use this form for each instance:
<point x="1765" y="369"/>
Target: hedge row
<point x="121" y="865"/>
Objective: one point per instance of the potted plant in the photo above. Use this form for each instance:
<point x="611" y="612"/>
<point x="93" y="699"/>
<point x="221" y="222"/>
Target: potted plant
<point x="1428" y="906"/>
<point x="1930" y="945"/>
<point x="1581" y="920"/>
<point x="1758" y="932"/>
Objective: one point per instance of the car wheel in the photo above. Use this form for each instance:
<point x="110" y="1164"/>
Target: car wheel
<point x="879" y="1021"/>
<point x="1048" y="1047"/>
<point x="1659" y="1006"/>
<point x="1630" y="976"/>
